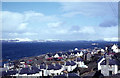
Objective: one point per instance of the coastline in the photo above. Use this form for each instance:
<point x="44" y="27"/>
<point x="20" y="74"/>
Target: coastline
<point x="88" y="68"/>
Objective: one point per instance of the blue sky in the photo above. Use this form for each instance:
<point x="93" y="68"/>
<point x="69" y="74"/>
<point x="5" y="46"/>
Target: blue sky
<point x="61" y="21"/>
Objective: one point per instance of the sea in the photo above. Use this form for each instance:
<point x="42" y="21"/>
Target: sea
<point x="17" y="50"/>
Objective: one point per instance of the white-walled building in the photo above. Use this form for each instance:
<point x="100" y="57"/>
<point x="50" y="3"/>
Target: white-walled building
<point x="80" y="63"/>
<point x="115" y="48"/>
<point x="108" y="66"/>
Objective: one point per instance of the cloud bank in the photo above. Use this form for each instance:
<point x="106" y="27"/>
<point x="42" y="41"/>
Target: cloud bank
<point x="34" y="25"/>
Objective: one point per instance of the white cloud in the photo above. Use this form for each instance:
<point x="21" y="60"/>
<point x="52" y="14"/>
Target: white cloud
<point x="15" y="24"/>
<point x="36" y="25"/>
<point x="94" y="32"/>
<point x="54" y="24"/>
<point x="23" y="26"/>
<point x="12" y="21"/>
<point x="33" y="16"/>
<point x="21" y="21"/>
<point x="87" y="29"/>
<point x="30" y="34"/>
<point x="111" y="39"/>
<point x="62" y="31"/>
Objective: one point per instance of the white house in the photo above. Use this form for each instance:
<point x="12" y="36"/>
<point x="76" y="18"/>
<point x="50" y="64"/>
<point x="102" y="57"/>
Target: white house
<point x="9" y="65"/>
<point x="76" y="49"/>
<point x="115" y="48"/>
<point x="80" y="63"/>
<point x="67" y="66"/>
<point x="57" y="69"/>
<point x="108" y="66"/>
<point x="73" y="65"/>
<point x="56" y="55"/>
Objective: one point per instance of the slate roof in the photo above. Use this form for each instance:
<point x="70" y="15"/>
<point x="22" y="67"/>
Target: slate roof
<point x="68" y="53"/>
<point x="64" y="54"/>
<point x="24" y="71"/>
<point x="70" y="75"/>
<point x="100" y="59"/>
<point x="28" y="70"/>
<point x="57" y="67"/>
<point x="54" y="67"/>
<point x="50" y="55"/>
<point x="75" y="52"/>
<point x="9" y="72"/>
<point x="35" y="69"/>
<point x="79" y="59"/>
<point x="73" y="63"/>
<point x="68" y="63"/>
<point x="42" y="66"/>
<point x="111" y="62"/>
<point x="60" y="54"/>
<point x="50" y="67"/>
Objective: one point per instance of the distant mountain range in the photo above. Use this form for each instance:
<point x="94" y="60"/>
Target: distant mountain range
<point x="28" y="40"/>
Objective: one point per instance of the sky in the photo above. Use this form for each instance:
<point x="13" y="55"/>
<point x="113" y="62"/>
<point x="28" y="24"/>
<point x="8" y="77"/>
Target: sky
<point x="60" y="20"/>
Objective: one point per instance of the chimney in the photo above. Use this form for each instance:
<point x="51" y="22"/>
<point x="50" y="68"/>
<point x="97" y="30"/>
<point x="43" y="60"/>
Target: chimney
<point x="107" y="59"/>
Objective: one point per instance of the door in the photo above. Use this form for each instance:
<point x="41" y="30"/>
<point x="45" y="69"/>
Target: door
<point x="110" y="73"/>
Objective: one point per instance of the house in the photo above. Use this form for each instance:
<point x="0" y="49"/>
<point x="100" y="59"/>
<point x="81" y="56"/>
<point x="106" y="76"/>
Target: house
<point x="57" y="69"/>
<point x="48" y="55"/>
<point x="29" y="71"/>
<point x="77" y="53"/>
<point x="67" y="66"/>
<point x="108" y="66"/>
<point x="80" y="53"/>
<point x="112" y="48"/>
<point x="56" y="55"/>
<point x="76" y="49"/>
<point x="73" y="65"/>
<point x="115" y="48"/>
<point x="64" y="55"/>
<point x="43" y="67"/>
<point x="50" y="69"/>
<point x="9" y="72"/>
<point x="80" y="63"/>
<point x="87" y="56"/>
<point x="9" y="65"/>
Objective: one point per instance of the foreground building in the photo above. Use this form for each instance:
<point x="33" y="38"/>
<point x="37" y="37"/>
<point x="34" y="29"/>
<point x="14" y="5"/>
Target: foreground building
<point x="108" y="66"/>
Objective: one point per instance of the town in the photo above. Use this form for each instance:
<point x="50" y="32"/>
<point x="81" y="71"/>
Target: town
<point x="83" y="63"/>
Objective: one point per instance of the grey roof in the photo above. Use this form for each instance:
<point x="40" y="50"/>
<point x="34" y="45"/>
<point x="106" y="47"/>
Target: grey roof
<point x="54" y="67"/>
<point x="50" y="67"/>
<point x="100" y="59"/>
<point x="42" y="66"/>
<point x="79" y="59"/>
<point x="111" y="62"/>
<point x="50" y="54"/>
<point x="9" y="72"/>
<point x="68" y="63"/>
<point x="70" y="75"/>
<point x="73" y="63"/>
<point x="28" y="71"/>
<point x="24" y="71"/>
<point x="75" y="52"/>
<point x="57" y="67"/>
